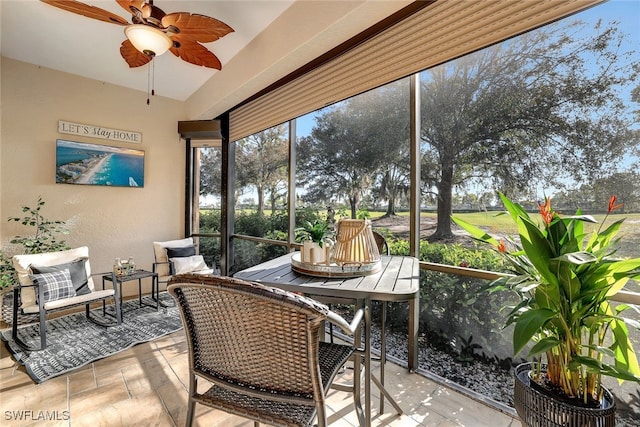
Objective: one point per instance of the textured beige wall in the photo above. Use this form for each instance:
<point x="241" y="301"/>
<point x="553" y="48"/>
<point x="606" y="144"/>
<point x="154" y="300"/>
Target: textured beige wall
<point x="2" y="215"/>
<point x="111" y="221"/>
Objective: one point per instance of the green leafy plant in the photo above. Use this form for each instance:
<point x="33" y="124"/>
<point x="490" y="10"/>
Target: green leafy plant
<point x="43" y="239"/>
<point x="317" y="232"/>
<point x="565" y="278"/>
<point x="7" y="272"/>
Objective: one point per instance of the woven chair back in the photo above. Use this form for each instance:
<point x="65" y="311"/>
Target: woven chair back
<point x="250" y="337"/>
<point x="381" y="242"/>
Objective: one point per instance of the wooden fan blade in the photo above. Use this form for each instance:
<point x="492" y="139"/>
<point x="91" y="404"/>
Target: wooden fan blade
<point x="197" y="54"/>
<point x="87" y="10"/>
<point x="200" y="28"/>
<point x="133" y="56"/>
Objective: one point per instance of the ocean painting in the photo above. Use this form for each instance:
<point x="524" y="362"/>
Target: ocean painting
<point x="91" y="164"/>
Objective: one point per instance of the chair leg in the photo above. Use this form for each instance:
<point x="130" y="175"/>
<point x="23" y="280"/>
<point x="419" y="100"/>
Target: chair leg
<point x="43" y="329"/>
<point x="14" y="326"/>
<point x="321" y="415"/>
<point x="191" y="409"/>
<point x="356" y="388"/>
<point x="93" y="319"/>
<point x="160" y="303"/>
<point x="190" y="412"/>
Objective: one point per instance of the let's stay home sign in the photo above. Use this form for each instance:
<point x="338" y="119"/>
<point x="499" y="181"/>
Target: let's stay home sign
<point x="99" y="132"/>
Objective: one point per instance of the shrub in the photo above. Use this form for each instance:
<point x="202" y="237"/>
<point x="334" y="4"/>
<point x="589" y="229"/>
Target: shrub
<point x="210" y="221"/>
<point x="454" y="306"/>
<point x="252" y="224"/>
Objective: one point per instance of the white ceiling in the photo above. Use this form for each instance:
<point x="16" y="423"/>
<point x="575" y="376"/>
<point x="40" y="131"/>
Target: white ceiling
<point x="65" y="41"/>
<point x="255" y="54"/>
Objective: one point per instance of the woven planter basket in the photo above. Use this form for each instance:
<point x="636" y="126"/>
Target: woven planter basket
<point x="537" y="409"/>
<point x="7" y="311"/>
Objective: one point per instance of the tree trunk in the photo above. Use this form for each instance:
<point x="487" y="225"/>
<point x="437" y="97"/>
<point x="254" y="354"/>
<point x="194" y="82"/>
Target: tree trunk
<point x="273" y="203"/>
<point x="445" y="189"/>
<point x="260" y="200"/>
<point x="391" y="204"/>
<point x="353" y="201"/>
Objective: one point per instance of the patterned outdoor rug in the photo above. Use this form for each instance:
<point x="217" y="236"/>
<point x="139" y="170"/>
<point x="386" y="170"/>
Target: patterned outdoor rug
<point x="73" y="341"/>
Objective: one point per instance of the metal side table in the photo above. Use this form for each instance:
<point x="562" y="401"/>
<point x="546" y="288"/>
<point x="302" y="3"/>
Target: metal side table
<point x="136" y="275"/>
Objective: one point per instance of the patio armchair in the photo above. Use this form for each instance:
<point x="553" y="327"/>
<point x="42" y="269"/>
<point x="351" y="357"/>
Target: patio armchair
<point x="177" y="257"/>
<point x="56" y="281"/>
<point x="260" y="349"/>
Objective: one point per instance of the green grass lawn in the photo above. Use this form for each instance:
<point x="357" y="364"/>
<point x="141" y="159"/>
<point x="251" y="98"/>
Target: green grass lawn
<point x="494" y="223"/>
<point x="629" y="234"/>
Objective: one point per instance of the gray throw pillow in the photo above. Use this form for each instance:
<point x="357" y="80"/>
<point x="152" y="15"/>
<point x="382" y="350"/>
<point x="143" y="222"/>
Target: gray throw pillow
<point x="181" y="252"/>
<point x="77" y="271"/>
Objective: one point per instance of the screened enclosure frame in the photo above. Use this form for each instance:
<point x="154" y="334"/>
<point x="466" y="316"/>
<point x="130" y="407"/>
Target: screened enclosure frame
<point x="422" y="36"/>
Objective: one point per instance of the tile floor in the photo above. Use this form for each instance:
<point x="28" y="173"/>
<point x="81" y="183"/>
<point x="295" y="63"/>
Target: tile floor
<point x="146" y="386"/>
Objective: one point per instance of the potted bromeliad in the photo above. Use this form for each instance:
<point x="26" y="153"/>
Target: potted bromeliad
<point x="565" y="278"/>
<point x="316" y="241"/>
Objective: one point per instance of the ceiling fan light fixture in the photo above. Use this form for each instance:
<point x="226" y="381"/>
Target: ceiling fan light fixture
<point x="148" y="40"/>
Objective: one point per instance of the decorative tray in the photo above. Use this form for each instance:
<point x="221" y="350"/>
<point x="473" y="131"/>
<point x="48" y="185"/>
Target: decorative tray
<point x="333" y="270"/>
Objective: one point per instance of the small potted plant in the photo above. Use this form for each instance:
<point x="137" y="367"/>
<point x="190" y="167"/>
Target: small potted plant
<point x="565" y="278"/>
<point x="316" y="241"/>
<point x="43" y="240"/>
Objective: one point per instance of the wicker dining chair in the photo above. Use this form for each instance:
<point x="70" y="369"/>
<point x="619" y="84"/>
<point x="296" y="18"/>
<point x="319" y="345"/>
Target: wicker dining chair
<point x="260" y="348"/>
<point x="381" y="242"/>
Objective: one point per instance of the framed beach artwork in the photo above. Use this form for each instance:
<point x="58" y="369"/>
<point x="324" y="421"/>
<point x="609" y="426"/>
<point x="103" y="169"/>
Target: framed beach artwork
<point x="92" y="164"/>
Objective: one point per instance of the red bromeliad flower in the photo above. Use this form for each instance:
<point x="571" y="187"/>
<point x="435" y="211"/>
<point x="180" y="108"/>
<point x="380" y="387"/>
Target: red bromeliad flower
<point x="501" y="247"/>
<point x="545" y="211"/>
<point x="612" y="204"/>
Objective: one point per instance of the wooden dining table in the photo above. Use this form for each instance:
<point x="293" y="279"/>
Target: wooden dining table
<point x="397" y="280"/>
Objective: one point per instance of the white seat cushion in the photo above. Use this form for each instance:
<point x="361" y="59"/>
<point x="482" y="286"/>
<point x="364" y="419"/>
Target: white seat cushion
<point x="79" y="299"/>
<point x="188" y="264"/>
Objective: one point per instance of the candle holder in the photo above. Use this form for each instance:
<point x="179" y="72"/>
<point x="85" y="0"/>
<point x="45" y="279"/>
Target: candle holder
<point x="355" y="243"/>
<point x="124" y="268"/>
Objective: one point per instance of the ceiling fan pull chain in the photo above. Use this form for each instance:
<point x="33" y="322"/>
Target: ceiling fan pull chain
<point x="153" y="75"/>
<point x="151" y="80"/>
<point x="148" y="83"/>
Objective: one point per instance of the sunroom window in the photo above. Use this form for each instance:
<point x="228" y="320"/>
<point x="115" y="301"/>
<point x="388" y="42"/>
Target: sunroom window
<point x="551" y="112"/>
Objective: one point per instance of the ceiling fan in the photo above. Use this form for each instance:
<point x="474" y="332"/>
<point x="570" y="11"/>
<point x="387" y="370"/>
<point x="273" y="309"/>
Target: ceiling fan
<point x="152" y="32"/>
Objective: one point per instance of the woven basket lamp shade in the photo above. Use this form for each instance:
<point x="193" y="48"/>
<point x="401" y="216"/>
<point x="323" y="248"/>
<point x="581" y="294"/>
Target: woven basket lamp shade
<point x="355" y="243"/>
